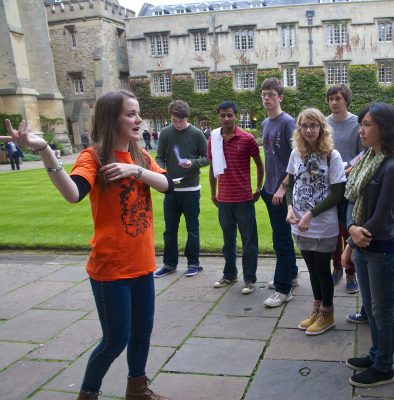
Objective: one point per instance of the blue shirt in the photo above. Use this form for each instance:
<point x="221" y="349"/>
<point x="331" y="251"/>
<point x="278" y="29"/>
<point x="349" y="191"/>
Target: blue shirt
<point x="277" y="136"/>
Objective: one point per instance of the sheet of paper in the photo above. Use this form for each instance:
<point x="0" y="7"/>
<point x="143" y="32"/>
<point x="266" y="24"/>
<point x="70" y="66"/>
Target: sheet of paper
<point x="177" y="181"/>
<point x="178" y="157"/>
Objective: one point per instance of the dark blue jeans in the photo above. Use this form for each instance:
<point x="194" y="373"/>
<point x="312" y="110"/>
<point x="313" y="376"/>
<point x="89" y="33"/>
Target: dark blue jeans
<point x="243" y="216"/>
<point x="176" y="204"/>
<point x="125" y="308"/>
<point x="286" y="267"/>
<point x="375" y="272"/>
<point x="14" y="159"/>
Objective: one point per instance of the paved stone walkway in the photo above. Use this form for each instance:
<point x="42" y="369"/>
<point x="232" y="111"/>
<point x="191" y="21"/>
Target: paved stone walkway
<point x="208" y="344"/>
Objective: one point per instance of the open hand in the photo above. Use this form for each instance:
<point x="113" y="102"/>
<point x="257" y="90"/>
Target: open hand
<point x="23" y="136"/>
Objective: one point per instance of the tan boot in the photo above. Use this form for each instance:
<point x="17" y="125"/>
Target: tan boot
<point x="306" y="323"/>
<point x="137" y="389"/>
<point x="324" y="321"/>
<point x="87" y="395"/>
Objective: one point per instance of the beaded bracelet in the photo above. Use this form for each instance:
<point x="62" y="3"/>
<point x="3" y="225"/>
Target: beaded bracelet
<point x="58" y="168"/>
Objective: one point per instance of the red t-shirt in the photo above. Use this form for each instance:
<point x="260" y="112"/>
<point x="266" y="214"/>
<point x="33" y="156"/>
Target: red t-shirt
<point x="234" y="185"/>
<point x="123" y="243"/>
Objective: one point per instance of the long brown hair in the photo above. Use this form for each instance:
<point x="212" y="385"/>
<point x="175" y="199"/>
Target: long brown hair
<point x="107" y="111"/>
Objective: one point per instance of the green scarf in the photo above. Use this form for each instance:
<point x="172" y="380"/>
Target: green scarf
<point x="358" y="179"/>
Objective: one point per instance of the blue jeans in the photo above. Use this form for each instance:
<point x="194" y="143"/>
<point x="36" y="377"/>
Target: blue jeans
<point x="286" y="268"/>
<point x="125" y="308"/>
<point x="176" y="204"/>
<point x="243" y="216"/>
<point x="375" y="272"/>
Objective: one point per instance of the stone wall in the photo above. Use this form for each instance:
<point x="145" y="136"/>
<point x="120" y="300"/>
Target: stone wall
<point x="27" y="74"/>
<point x="363" y="46"/>
<point x="98" y="54"/>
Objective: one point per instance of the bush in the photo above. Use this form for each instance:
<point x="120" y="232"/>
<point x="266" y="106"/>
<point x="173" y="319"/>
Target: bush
<point x="15" y="119"/>
<point x="54" y="144"/>
<point x="31" y="157"/>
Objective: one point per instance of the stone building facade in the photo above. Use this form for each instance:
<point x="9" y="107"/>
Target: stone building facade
<point x="326" y="34"/>
<point x="90" y="55"/>
<point x="27" y="75"/>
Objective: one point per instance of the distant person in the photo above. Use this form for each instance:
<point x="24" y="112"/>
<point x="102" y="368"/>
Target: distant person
<point x="85" y="139"/>
<point x="155" y="137"/>
<point x="182" y="151"/>
<point x="15" y="154"/>
<point x="146" y="136"/>
<point x="229" y="151"/>
<point x="117" y="175"/>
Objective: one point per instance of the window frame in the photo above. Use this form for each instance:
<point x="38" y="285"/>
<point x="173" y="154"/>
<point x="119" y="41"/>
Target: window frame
<point x="385" y="75"/>
<point x="385" y="35"/>
<point x="200" y="41"/>
<point x="289" y="75"/>
<point x="78" y="84"/>
<point x="245" y="119"/>
<point x="244" y="77"/>
<point x="288" y="36"/>
<point x="244" y="39"/>
<point x="159" y="45"/>
<point x="337" y="72"/>
<point x="337" y="33"/>
<point x="201" y="82"/>
<point x="161" y="83"/>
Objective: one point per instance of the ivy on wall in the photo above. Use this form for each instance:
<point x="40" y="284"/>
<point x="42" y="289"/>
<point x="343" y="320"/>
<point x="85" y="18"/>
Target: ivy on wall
<point x="310" y="92"/>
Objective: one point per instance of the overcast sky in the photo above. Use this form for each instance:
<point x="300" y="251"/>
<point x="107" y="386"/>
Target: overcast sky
<point x="136" y="5"/>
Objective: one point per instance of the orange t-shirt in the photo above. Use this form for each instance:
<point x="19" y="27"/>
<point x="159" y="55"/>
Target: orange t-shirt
<point x="123" y="243"/>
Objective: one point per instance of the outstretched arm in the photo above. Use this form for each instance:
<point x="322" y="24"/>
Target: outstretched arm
<point x="59" y="177"/>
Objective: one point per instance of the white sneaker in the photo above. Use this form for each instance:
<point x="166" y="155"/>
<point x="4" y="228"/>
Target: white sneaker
<point x="248" y="288"/>
<point x="294" y="283"/>
<point x="277" y="299"/>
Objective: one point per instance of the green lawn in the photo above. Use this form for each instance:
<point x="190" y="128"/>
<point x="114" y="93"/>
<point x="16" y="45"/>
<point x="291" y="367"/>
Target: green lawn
<point x="34" y="215"/>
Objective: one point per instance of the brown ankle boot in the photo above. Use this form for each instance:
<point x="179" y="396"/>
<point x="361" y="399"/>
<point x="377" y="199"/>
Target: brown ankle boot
<point x="87" y="395"/>
<point x="137" y="389"/>
<point x="306" y="323"/>
<point x="324" y="321"/>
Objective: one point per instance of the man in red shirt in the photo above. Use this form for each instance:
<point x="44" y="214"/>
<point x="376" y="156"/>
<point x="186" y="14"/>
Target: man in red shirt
<point x="229" y="153"/>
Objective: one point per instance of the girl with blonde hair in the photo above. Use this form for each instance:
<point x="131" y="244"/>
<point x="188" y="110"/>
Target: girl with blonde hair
<point x="316" y="185"/>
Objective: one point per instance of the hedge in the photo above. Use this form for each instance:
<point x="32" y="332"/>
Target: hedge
<point x="310" y="91"/>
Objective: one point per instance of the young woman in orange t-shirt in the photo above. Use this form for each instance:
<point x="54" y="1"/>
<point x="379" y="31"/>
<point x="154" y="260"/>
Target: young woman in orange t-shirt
<point x="117" y="174"/>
